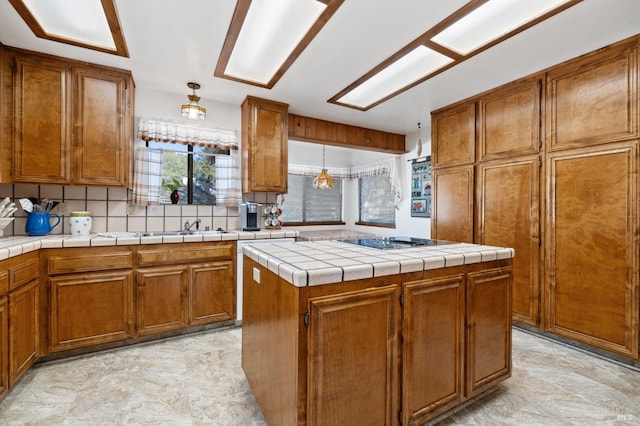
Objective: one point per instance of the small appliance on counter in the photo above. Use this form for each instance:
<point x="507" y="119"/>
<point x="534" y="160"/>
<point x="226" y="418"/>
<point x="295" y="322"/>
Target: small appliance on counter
<point x="249" y="213"/>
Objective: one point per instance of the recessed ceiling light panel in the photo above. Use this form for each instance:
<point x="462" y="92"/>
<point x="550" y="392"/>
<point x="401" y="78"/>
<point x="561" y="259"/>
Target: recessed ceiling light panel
<point x="491" y="21"/>
<point x="410" y="68"/>
<point x="271" y="30"/>
<point x="79" y="20"/>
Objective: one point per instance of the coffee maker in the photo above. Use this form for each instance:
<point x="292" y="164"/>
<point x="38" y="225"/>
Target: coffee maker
<point x="249" y="216"/>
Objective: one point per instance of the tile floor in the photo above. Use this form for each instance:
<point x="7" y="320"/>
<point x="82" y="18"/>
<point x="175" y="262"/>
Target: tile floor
<point x="197" y="380"/>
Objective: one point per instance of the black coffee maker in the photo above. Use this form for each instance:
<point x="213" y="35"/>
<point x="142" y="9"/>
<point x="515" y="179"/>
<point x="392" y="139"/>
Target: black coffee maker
<point x="249" y="213"/>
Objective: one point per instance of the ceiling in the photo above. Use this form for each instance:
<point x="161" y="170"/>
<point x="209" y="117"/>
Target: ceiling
<point x="172" y="42"/>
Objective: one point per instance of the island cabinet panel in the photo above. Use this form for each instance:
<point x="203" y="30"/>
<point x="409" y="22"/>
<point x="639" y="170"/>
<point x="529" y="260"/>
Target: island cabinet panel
<point x="353" y="358"/>
<point x="488" y="342"/>
<point x="508" y="216"/>
<point x="433" y="347"/>
<point x="23" y="329"/>
<point x="101" y="152"/>
<point x="162" y="299"/>
<point x="453" y="198"/>
<point x="42" y="120"/>
<point x="453" y="132"/>
<point x="212" y="299"/>
<point x="264" y="145"/>
<point x="4" y="345"/>
<point x="90" y="309"/>
<point x="592" y="247"/>
<point x="594" y="99"/>
<point x="509" y="120"/>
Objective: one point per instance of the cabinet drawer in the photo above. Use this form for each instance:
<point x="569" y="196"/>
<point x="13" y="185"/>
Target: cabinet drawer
<point x="84" y="263"/>
<point x="164" y="255"/>
<point x="23" y="273"/>
<point x="4" y="282"/>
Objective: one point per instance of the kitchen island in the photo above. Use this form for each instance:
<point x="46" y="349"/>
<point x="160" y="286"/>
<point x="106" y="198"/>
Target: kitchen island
<point x="337" y="333"/>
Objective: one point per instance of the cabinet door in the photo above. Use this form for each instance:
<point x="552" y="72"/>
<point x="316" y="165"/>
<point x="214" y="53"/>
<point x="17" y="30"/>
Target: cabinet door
<point x="453" y="132"/>
<point x="101" y="144"/>
<point x="264" y="146"/>
<point x="433" y="347"/>
<point x="23" y="330"/>
<point x="509" y="120"/>
<point x="488" y="348"/>
<point x="42" y="121"/>
<point x="353" y="351"/>
<point x="592" y="274"/>
<point x="162" y="299"/>
<point x="452" y="208"/>
<point x="508" y="215"/>
<point x="212" y="293"/>
<point x="4" y="346"/>
<point x="594" y="100"/>
<point x="90" y="309"/>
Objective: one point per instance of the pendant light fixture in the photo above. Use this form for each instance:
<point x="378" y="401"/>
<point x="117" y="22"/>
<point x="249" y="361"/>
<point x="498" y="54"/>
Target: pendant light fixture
<point x="323" y="180"/>
<point x="419" y="142"/>
<point x="192" y="110"/>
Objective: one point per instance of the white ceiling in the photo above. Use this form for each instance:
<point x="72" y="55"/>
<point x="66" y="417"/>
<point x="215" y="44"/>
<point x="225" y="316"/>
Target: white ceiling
<point x="172" y="42"/>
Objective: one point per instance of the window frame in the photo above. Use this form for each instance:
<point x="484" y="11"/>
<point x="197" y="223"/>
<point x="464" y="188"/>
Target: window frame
<point x="312" y="223"/>
<point x="367" y="223"/>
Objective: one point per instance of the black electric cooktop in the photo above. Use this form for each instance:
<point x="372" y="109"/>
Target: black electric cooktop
<point x="386" y="243"/>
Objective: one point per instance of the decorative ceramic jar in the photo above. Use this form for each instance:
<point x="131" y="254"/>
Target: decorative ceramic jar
<point x="80" y="224"/>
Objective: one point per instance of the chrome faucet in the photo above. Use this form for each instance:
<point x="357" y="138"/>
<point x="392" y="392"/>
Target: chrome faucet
<point x="188" y="226"/>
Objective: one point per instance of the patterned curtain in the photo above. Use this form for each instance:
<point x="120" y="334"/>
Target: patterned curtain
<point x="164" y="131"/>
<point x="147" y="176"/>
<point x="228" y="184"/>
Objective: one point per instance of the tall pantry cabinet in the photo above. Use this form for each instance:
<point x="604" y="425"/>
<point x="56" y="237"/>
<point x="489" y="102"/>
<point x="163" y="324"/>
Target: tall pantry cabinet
<point x="556" y="177"/>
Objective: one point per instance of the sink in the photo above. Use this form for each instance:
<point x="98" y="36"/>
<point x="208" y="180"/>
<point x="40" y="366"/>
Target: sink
<point x="165" y="233"/>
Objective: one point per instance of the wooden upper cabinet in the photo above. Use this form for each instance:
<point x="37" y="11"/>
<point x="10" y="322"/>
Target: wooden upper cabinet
<point x="102" y="145"/>
<point x="592" y="227"/>
<point x="513" y="187"/>
<point x="594" y="99"/>
<point x="264" y="145"/>
<point x="453" y="132"/>
<point x="72" y="121"/>
<point x="42" y="120"/>
<point x="453" y="197"/>
<point x="509" y="120"/>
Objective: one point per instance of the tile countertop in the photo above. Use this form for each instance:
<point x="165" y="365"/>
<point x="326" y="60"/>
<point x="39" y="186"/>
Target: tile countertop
<point x="333" y="234"/>
<point x="14" y="246"/>
<point x="325" y="262"/>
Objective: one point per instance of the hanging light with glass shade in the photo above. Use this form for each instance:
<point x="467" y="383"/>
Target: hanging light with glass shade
<point x="323" y="180"/>
<point x="192" y="110"/>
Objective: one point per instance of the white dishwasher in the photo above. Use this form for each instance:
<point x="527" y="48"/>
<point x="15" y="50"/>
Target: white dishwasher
<point x="239" y="259"/>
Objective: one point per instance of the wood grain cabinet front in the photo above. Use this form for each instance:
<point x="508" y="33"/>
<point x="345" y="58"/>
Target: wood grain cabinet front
<point x="23" y="330"/>
<point x="72" y="121"/>
<point x="453" y="204"/>
<point x="162" y="299"/>
<point x="211" y="293"/>
<point x="453" y="132"/>
<point x="4" y="345"/>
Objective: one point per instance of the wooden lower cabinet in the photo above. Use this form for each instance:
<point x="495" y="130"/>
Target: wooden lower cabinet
<point x="4" y="346"/>
<point x="433" y="348"/>
<point x="162" y="299"/>
<point x="353" y="358"/>
<point x="90" y="309"/>
<point x="211" y="297"/>
<point x="23" y="329"/>
<point x="592" y="247"/>
<point x="400" y="349"/>
<point x="488" y="340"/>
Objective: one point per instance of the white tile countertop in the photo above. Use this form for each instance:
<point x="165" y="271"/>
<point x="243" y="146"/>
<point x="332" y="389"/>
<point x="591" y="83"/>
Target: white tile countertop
<point x="14" y="246"/>
<point x="325" y="262"/>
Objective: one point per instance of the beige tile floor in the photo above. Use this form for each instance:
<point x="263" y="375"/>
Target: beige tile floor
<point x="197" y="380"/>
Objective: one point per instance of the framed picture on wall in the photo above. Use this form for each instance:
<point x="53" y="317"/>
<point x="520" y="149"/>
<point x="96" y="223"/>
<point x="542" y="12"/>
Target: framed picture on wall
<point x="421" y="187"/>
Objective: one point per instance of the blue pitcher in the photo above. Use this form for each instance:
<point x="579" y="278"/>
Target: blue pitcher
<point x="39" y="223"/>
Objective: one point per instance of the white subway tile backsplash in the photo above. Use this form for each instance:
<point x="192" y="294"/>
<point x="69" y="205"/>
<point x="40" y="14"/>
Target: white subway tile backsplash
<point x="115" y="224"/>
<point x="155" y="224"/>
<point x="136" y="224"/>
<point x="117" y="194"/>
<point x="219" y="222"/>
<point x="99" y="224"/>
<point x="52" y="192"/>
<point x="76" y="205"/>
<point x="96" y="193"/>
<point x="97" y="208"/>
<point x="21" y="190"/>
<point x="173" y="210"/>
<point x="189" y="210"/>
<point x="205" y="211"/>
<point x="155" y="211"/>
<point x="172" y="223"/>
<point x="75" y="193"/>
<point x="117" y="208"/>
<point x="220" y="211"/>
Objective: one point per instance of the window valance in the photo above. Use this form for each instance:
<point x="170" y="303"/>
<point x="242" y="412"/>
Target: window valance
<point x="388" y="168"/>
<point x="164" y="131"/>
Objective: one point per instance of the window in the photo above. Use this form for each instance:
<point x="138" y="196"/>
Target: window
<point x="376" y="200"/>
<point x="194" y="169"/>
<point x="304" y="204"/>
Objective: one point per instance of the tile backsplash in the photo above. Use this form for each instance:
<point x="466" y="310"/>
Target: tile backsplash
<point x="112" y="212"/>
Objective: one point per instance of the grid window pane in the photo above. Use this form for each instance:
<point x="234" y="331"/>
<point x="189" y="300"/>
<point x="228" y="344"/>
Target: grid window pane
<point x="376" y="200"/>
<point x="304" y="203"/>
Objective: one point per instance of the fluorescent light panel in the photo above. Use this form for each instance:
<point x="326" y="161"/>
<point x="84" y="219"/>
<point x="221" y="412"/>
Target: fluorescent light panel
<point x="410" y="68"/>
<point x="82" y="21"/>
<point x="270" y="32"/>
<point x="491" y="21"/>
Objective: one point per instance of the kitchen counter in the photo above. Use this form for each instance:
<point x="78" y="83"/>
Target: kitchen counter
<point x="325" y="262"/>
<point x="333" y="234"/>
<point x="17" y="245"/>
